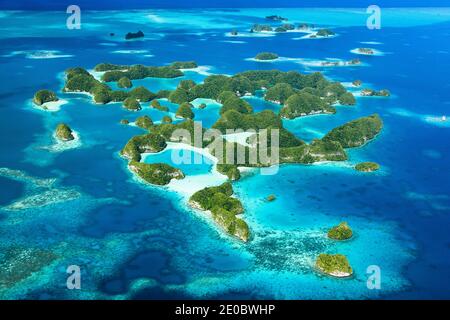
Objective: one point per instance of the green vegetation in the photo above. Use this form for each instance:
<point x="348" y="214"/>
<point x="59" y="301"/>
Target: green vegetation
<point x="260" y="28"/>
<point x="157" y="105"/>
<point x="266" y="56"/>
<point x="357" y="132"/>
<point x="132" y="104"/>
<point x="367" y="166"/>
<point x="139" y="71"/>
<point x="276" y="18"/>
<point x="235" y="103"/>
<point x="325" y="33"/>
<point x="144" y="122"/>
<point x="166" y="119"/>
<point x="230" y="170"/>
<point x="223" y="207"/>
<point x="366" y="50"/>
<point x="317" y="150"/>
<point x="179" y="96"/>
<point x="43" y="96"/>
<point x="233" y="119"/>
<point x="335" y="265"/>
<point x="186" y="84"/>
<point x="150" y="142"/>
<point x="357" y="83"/>
<point x="63" y="132"/>
<point x="185" y="111"/>
<point x="303" y="104"/>
<point x="155" y="173"/>
<point x="124" y="121"/>
<point x="184" y="65"/>
<point x="142" y="94"/>
<point x="375" y="93"/>
<point x="124" y="82"/>
<point x="279" y="93"/>
<point x="167" y="129"/>
<point x="102" y="67"/>
<point x="340" y="232"/>
<point x="271" y="197"/>
<point x="347" y="99"/>
<point x="202" y="106"/>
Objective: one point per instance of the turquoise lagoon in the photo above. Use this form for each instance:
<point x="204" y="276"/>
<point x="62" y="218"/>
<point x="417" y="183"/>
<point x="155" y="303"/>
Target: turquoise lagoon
<point x="134" y="241"/>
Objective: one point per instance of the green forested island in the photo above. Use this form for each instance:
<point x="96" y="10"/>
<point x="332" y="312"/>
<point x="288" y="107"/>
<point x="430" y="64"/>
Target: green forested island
<point x="335" y="265"/>
<point x="63" y="132"/>
<point x="155" y="173"/>
<point x="340" y="232"/>
<point x="266" y="56"/>
<point x="224" y="209"/>
<point x="144" y="122"/>
<point x="375" y="93"/>
<point x="367" y="166"/>
<point x="43" y="96"/>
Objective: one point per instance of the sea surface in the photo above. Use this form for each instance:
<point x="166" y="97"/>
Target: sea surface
<point x="133" y="241"/>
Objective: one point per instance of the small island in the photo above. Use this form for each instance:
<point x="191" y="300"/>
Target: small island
<point x="261" y="28"/>
<point x="157" y="105"/>
<point x="357" y="132"/>
<point x="124" y="82"/>
<point x="144" y="122"/>
<point x="270" y="198"/>
<point x="367" y="166"/>
<point x="185" y="111"/>
<point x="155" y="173"/>
<point x="266" y="56"/>
<point x="340" y="232"/>
<point x="124" y="121"/>
<point x="276" y="18"/>
<point x="375" y="93"/>
<point x="335" y="265"/>
<point x="134" y="35"/>
<point x="325" y="33"/>
<point x="357" y="83"/>
<point x="150" y="142"/>
<point x="64" y="133"/>
<point x="224" y="209"/>
<point x="166" y="119"/>
<point x="132" y="104"/>
<point x="43" y="96"/>
<point x="367" y="51"/>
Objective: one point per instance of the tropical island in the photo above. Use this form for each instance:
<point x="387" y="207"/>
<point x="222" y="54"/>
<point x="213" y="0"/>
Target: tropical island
<point x="144" y="122"/>
<point x="64" y="133"/>
<point x="340" y="232"/>
<point x="134" y="35"/>
<point x="43" y="96"/>
<point x="266" y="56"/>
<point x="367" y="166"/>
<point x="367" y="51"/>
<point x="375" y="93"/>
<point x="132" y="104"/>
<point x="335" y="265"/>
<point x="261" y="28"/>
<point x="155" y="173"/>
<point x="150" y="142"/>
<point x="325" y="33"/>
<point x="224" y="209"/>
<point x="124" y="82"/>
<point x="276" y="18"/>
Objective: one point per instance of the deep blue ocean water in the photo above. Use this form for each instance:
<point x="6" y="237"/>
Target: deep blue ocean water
<point x="135" y="241"/>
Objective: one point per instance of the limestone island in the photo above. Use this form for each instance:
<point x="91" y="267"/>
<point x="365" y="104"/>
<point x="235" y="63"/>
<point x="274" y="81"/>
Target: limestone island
<point x="155" y="173"/>
<point x="340" y="232"/>
<point x="285" y="27"/>
<point x="224" y="209"/>
<point x="375" y="93"/>
<point x="124" y="82"/>
<point x="185" y="111"/>
<point x="353" y="62"/>
<point x="144" y="122"/>
<point x="270" y="198"/>
<point x="367" y="51"/>
<point x="124" y="121"/>
<point x="367" y="166"/>
<point x="335" y="265"/>
<point x="166" y="119"/>
<point x="132" y="104"/>
<point x="43" y="96"/>
<point x="325" y="33"/>
<point x="64" y="133"/>
<point x="266" y="56"/>
<point x="150" y="142"/>
<point x="134" y="35"/>
<point x="357" y="83"/>
<point x="276" y="18"/>
<point x="261" y="28"/>
<point x="157" y="105"/>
